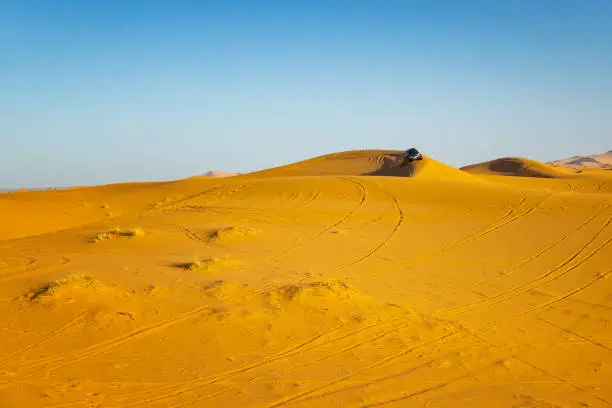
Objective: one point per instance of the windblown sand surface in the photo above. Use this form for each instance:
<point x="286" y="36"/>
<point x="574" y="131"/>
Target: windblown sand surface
<point x="325" y="283"/>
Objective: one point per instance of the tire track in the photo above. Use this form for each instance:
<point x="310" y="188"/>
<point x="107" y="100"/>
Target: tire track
<point x="54" y="363"/>
<point x="207" y="397"/>
<point x="325" y="230"/>
<point x="317" y="360"/>
<point x="572" y="293"/>
<point x="4" y="265"/>
<point x="396" y="226"/>
<point x="301" y="242"/>
<point x="395" y="356"/>
<point x="175" y="390"/>
<point x="192" y="235"/>
<point x="504" y="220"/>
<point x="567" y="382"/>
<point x="510" y="218"/>
<point x="306" y="346"/>
<point x="173" y="204"/>
<point x="543" y="250"/>
<point x="412" y="369"/>
<point x="563" y="272"/>
<point x="188" y="386"/>
<point x="573" y="333"/>
<point x="545" y="278"/>
<point x="428" y="389"/>
<point x="195" y="237"/>
<point x="104" y="346"/>
<point x="29" y="271"/>
<point x="58" y="331"/>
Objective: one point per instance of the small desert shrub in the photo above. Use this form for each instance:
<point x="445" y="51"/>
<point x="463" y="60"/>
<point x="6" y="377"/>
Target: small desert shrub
<point x="117" y="232"/>
<point x="49" y="288"/>
<point x="190" y="266"/>
<point x="231" y="232"/>
<point x="200" y="263"/>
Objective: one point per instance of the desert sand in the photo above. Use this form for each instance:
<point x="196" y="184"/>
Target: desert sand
<point x="332" y="282"/>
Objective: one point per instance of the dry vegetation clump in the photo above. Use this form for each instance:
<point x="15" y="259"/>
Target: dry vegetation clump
<point x="49" y="288"/>
<point x="118" y="232"/>
<point x="202" y="264"/>
<point x="190" y="266"/>
<point x="231" y="232"/>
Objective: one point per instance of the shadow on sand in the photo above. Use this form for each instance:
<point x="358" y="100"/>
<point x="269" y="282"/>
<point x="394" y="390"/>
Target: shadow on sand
<point x="390" y="167"/>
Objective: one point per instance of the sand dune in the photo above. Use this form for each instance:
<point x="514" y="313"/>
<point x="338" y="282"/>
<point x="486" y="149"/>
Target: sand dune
<point x="516" y="166"/>
<point x="526" y="173"/>
<point x="595" y="161"/>
<point x="367" y="163"/>
<point x="341" y="280"/>
<point x="218" y="173"/>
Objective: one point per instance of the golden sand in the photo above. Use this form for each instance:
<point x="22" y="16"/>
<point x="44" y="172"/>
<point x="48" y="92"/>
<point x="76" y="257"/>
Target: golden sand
<point x="333" y="282"/>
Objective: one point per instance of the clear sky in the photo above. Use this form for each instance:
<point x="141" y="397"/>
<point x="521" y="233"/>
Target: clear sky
<point x="100" y="91"/>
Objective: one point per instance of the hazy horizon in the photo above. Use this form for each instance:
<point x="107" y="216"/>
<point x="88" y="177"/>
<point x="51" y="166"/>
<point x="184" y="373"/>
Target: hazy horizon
<point x="105" y="92"/>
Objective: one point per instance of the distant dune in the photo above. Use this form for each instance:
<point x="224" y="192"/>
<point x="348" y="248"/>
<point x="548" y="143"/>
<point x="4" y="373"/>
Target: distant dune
<point x="594" y="161"/>
<point x="516" y="166"/>
<point x="219" y="173"/>
<point x="12" y="190"/>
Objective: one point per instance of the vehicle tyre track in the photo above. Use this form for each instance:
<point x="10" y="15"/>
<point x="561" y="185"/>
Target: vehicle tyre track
<point x="504" y="220"/>
<point x="396" y="226"/>
<point x="546" y="277"/>
<point x="385" y="360"/>
<point x="493" y="227"/>
<point x="317" y="360"/>
<point x="54" y="267"/>
<point x="571" y="293"/>
<point x="301" y="351"/>
<point x="50" y="336"/>
<point x="305" y="346"/>
<point x="543" y="250"/>
<point x="312" y="343"/>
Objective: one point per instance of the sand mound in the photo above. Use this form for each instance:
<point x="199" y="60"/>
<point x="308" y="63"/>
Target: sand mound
<point x="318" y="295"/>
<point x="367" y="163"/>
<point x="81" y="288"/>
<point x="220" y="289"/>
<point x="516" y="166"/>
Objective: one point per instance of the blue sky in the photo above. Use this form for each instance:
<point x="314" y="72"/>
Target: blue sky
<point x="99" y="91"/>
